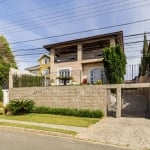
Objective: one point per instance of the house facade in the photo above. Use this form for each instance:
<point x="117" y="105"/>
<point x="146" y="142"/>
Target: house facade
<point x="44" y="62"/>
<point x="33" y="69"/>
<point x="81" y="59"/>
<point x="43" y="68"/>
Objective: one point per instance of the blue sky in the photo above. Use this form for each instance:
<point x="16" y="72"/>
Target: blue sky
<point x="22" y="20"/>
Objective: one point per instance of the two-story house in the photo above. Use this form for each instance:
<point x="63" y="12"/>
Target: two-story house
<point x="44" y="62"/>
<point x="81" y="58"/>
<point x="43" y="68"/>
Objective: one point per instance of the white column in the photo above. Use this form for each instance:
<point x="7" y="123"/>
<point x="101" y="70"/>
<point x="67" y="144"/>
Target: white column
<point x="52" y="63"/>
<point x="5" y="97"/>
<point x="79" y="48"/>
<point x="10" y="78"/>
<point x="112" y="42"/>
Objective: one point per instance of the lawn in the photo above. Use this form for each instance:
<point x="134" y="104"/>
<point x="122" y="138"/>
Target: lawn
<point x="53" y="119"/>
<point x="39" y="128"/>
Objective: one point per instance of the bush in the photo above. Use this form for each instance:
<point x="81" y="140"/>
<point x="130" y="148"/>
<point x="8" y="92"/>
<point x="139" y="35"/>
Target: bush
<point x="69" y="112"/>
<point x="20" y="106"/>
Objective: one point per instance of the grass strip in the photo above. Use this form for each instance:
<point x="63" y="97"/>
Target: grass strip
<point x="53" y="119"/>
<point x="39" y="128"/>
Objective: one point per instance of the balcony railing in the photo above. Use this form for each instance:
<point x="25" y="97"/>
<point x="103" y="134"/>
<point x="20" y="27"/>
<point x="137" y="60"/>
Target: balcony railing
<point x="92" y="54"/>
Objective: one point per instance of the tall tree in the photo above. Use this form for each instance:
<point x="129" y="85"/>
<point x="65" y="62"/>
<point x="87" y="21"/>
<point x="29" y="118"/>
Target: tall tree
<point x="6" y="61"/>
<point x="143" y="66"/>
<point x="114" y="64"/>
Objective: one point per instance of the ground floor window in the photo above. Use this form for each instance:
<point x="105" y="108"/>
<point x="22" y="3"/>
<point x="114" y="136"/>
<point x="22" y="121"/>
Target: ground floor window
<point x="64" y="75"/>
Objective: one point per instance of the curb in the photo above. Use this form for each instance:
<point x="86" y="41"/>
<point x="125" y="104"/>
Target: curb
<point x="63" y="135"/>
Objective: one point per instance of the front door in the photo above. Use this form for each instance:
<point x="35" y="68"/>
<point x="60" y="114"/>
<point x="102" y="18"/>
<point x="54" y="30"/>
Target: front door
<point x="95" y="74"/>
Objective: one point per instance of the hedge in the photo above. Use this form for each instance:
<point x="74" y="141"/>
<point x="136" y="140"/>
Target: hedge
<point x="69" y="112"/>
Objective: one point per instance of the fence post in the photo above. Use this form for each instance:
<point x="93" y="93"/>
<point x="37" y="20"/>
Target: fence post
<point x="118" y="110"/>
<point x="5" y="97"/>
<point x="10" y="78"/>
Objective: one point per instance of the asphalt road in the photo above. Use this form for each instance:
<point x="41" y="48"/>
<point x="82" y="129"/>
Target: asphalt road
<point x="17" y="140"/>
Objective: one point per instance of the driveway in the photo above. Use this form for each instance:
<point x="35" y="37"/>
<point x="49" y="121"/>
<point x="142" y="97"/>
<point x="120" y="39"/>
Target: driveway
<point x="131" y="132"/>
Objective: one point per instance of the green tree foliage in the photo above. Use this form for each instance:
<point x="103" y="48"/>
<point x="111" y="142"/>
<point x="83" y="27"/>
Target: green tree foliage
<point x="6" y="61"/>
<point x="114" y="63"/>
<point x="145" y="57"/>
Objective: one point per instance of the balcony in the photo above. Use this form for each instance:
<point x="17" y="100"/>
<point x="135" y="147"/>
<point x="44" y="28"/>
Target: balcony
<point x="94" y="50"/>
<point x="67" y="54"/>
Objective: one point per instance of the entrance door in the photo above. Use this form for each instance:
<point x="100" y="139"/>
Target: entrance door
<point x="95" y="74"/>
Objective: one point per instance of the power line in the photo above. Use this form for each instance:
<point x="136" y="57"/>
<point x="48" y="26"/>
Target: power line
<point x="76" y="19"/>
<point x="87" y="47"/>
<point x="57" y="12"/>
<point x="84" y="31"/>
<point x="23" y="22"/>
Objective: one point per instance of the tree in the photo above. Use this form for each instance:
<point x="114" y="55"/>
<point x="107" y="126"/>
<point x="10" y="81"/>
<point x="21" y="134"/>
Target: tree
<point x="6" y="61"/>
<point x="114" y="64"/>
<point x="144" y="58"/>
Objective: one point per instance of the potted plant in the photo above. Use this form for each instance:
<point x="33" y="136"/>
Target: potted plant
<point x="84" y="81"/>
<point x="98" y="82"/>
<point x="52" y="82"/>
<point x="65" y="79"/>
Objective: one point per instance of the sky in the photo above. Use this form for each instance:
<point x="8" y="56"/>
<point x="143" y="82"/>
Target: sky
<point x="26" y="20"/>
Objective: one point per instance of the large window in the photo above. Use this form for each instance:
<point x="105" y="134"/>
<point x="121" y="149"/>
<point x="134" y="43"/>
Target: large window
<point x="64" y="75"/>
<point x="45" y="60"/>
<point x="45" y="72"/>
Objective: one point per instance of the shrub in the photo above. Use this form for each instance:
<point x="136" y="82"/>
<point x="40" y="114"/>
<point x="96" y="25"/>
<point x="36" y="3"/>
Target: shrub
<point x="68" y="112"/>
<point x="20" y="106"/>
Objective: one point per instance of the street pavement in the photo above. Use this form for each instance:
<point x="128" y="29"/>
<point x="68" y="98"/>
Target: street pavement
<point x="128" y="132"/>
<point x="16" y="140"/>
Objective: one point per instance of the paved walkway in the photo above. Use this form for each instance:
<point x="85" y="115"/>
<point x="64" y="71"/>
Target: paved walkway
<point x="130" y="132"/>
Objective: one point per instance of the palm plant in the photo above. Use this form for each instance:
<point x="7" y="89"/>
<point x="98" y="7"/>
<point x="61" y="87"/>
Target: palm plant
<point x="20" y="106"/>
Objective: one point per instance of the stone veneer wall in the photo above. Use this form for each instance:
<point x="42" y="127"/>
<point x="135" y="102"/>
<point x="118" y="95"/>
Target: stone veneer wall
<point x="81" y="97"/>
<point x="146" y="91"/>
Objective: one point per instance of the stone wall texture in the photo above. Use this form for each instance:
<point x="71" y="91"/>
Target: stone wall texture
<point x="146" y="91"/>
<point x="81" y="97"/>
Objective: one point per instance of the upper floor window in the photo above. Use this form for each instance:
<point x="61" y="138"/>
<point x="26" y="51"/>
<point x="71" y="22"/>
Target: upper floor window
<point x="45" y="60"/>
<point x="45" y="72"/>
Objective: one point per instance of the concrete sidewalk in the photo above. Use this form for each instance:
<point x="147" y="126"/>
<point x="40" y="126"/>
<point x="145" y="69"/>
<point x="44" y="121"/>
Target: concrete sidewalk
<point x="71" y="128"/>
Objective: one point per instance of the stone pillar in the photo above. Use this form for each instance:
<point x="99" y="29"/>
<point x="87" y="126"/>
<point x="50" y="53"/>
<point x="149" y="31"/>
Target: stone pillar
<point x="79" y="62"/>
<point x="52" y="56"/>
<point x="79" y="50"/>
<point x="118" y="102"/>
<point x="108" y="101"/>
<point x="5" y="97"/>
<point x="10" y="78"/>
<point x="112" y="42"/>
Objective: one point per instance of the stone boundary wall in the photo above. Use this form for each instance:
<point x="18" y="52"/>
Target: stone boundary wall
<point x="81" y="97"/>
<point x="145" y="91"/>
